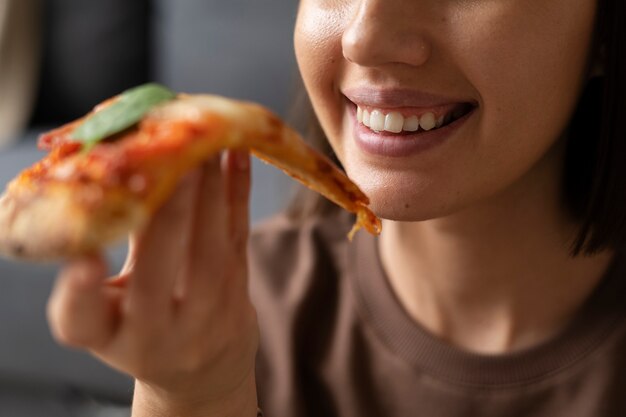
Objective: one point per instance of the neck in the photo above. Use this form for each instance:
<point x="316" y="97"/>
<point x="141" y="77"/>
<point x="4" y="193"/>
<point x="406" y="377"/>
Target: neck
<point x="496" y="277"/>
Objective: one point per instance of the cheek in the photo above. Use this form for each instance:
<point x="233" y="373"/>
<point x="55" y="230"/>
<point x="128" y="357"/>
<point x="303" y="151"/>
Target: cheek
<point x="529" y="73"/>
<point x="317" y="41"/>
<point x="528" y="69"/>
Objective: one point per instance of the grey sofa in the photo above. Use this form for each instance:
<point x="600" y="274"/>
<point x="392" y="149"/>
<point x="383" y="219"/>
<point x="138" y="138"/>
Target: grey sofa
<point x="93" y="49"/>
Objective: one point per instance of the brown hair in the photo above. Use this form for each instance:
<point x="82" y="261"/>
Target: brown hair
<point x="595" y="163"/>
<point x="306" y="203"/>
<point x="594" y="188"/>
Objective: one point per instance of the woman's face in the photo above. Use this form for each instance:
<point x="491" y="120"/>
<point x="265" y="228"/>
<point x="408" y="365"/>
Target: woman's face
<point x="492" y="84"/>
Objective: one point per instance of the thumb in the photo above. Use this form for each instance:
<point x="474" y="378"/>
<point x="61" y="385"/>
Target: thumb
<point x="79" y="309"/>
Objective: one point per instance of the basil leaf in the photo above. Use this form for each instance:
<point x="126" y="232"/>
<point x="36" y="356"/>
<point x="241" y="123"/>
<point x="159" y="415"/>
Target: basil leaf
<point x="127" y="111"/>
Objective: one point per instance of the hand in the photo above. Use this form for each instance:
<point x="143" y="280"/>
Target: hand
<point x="178" y="317"/>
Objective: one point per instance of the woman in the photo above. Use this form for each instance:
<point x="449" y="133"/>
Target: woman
<point x="496" y="286"/>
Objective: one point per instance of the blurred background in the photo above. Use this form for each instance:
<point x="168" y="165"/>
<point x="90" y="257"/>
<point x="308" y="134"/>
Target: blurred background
<point x="58" y="58"/>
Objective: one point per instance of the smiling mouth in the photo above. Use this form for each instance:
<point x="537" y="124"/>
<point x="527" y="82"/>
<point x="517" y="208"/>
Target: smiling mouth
<point x="392" y="121"/>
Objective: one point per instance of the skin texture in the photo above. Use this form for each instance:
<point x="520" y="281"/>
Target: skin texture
<point x="508" y="56"/>
<point x="476" y="241"/>
<point x="178" y="316"/>
<point x="475" y="244"/>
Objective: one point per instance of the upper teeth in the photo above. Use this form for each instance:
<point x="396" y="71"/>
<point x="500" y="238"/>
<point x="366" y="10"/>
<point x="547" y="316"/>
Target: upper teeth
<point x="395" y="122"/>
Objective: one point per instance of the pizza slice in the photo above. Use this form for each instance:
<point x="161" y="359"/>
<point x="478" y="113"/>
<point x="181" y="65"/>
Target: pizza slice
<point x="105" y="174"/>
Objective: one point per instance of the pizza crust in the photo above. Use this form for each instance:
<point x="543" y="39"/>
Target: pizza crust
<point x="52" y="226"/>
<point x="74" y="202"/>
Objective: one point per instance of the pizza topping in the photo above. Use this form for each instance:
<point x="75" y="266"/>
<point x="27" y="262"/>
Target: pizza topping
<point x="137" y="183"/>
<point x="115" y="187"/>
<point x="126" y="111"/>
<point x="64" y="171"/>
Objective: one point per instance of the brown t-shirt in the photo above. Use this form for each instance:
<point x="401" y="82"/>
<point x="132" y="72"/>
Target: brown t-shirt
<point x="336" y="342"/>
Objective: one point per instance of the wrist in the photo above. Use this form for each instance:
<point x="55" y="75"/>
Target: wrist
<point x="149" y="401"/>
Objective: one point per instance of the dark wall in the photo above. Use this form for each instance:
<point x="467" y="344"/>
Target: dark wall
<point x="92" y="49"/>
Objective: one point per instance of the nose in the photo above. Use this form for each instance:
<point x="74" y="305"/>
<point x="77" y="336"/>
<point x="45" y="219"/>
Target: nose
<point x="380" y="32"/>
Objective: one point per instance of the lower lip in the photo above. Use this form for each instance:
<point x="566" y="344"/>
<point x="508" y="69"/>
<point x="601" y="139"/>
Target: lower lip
<point x="402" y="145"/>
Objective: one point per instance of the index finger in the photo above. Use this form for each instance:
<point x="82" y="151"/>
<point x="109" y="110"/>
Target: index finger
<point x="160" y="252"/>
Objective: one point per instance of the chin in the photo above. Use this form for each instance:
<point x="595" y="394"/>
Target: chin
<point x="404" y="208"/>
<point x="402" y="196"/>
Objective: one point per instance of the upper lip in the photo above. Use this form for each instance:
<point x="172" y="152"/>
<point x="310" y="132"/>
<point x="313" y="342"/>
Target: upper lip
<point x="399" y="97"/>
